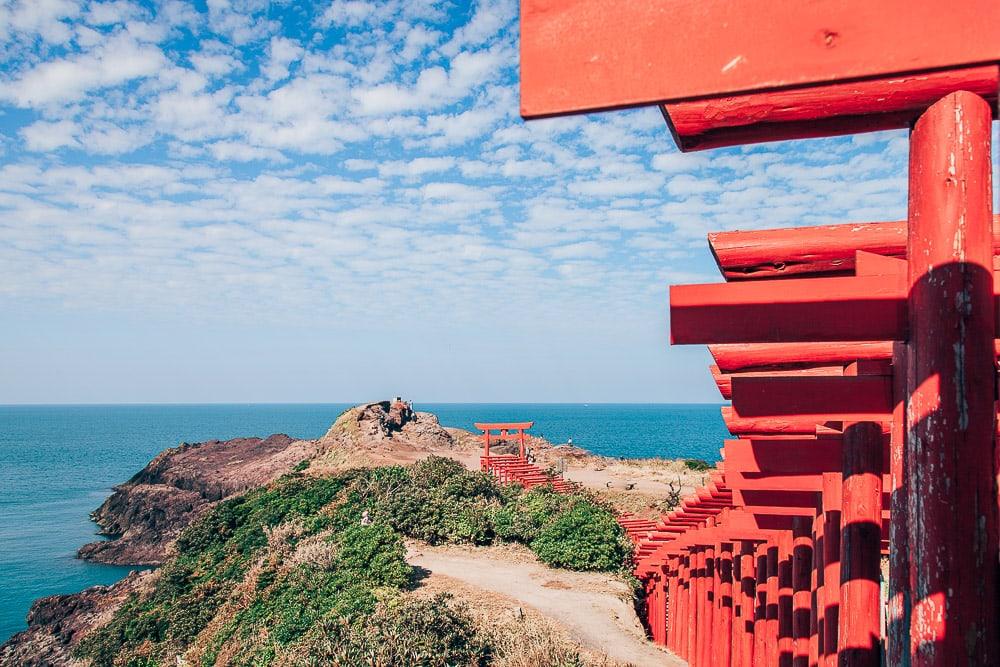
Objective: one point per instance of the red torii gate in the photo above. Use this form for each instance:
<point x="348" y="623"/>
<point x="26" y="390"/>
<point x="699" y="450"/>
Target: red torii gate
<point x="919" y="295"/>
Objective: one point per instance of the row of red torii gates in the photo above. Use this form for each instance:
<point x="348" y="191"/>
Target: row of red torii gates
<point x="860" y="359"/>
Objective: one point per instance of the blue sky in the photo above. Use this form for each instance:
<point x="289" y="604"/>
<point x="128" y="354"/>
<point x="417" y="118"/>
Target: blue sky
<point x="242" y="200"/>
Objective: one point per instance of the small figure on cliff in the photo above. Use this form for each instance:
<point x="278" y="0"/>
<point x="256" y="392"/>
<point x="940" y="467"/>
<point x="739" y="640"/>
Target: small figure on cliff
<point x="365" y="519"/>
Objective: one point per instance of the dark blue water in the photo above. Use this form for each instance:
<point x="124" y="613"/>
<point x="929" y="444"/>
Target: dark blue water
<point x="57" y="463"/>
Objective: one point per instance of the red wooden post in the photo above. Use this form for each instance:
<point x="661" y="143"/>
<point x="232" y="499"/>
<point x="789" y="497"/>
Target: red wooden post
<point x="816" y="613"/>
<point x="706" y="630"/>
<point x="899" y="607"/>
<point x="802" y="568"/>
<point x="748" y="585"/>
<point x="685" y="618"/>
<point x="771" y="625"/>
<point x="860" y="548"/>
<point x="951" y="411"/>
<point x="677" y="618"/>
<point x="785" y="593"/>
<point x="760" y="609"/>
<point x="831" y="566"/>
<point x="521" y="447"/>
<point x="723" y="644"/>
<point x="671" y="600"/>
<point x="695" y="615"/>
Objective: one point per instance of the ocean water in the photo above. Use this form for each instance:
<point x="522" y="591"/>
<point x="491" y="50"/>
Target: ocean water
<point x="58" y="463"/>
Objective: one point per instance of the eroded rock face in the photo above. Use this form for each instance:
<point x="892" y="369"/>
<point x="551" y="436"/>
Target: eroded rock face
<point x="372" y="425"/>
<point x="58" y="622"/>
<point x="146" y="514"/>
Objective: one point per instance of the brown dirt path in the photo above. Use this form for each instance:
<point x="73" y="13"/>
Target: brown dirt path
<point x="592" y="607"/>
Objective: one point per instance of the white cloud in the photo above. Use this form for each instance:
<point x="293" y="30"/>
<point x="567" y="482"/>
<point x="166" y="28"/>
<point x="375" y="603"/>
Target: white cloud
<point x="434" y="86"/>
<point x="119" y="60"/>
<point x="240" y="152"/>
<point x="489" y="18"/>
<point x="43" y="18"/>
<point x="282" y="52"/>
<point x="45" y="136"/>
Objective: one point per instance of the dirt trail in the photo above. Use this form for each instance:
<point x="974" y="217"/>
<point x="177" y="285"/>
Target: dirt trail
<point x="590" y="606"/>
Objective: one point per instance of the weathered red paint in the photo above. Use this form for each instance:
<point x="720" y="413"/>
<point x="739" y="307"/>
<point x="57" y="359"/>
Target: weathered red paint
<point x="785" y="595"/>
<point x="860" y="548"/>
<point x="825" y="397"/>
<point x="802" y="562"/>
<point x="951" y="408"/>
<point x="826" y="250"/>
<point x="731" y="358"/>
<point x="760" y="607"/>
<point x="722" y="644"/>
<point x="831" y="504"/>
<point x="584" y="55"/>
<point x="884" y="103"/>
<point x="899" y="603"/>
<point x="748" y="584"/>
<point x="797" y="310"/>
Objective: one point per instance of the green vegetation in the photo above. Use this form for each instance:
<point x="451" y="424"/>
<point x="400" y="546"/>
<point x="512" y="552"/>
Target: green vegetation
<point x="697" y="465"/>
<point x="311" y="570"/>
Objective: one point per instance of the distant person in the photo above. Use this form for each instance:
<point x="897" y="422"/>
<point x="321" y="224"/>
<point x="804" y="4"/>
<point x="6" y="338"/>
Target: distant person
<point x="569" y="441"/>
<point x="366" y="520"/>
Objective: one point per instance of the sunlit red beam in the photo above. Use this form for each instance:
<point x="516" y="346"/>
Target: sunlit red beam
<point x="859" y="308"/>
<point x="826" y="249"/>
<point x="861" y="398"/>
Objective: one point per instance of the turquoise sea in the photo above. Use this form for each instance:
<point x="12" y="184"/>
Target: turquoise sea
<point x="57" y="463"/>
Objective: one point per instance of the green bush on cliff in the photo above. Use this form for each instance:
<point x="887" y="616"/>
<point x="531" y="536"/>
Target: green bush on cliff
<point x="419" y="633"/>
<point x="310" y="569"/>
<point x="582" y="538"/>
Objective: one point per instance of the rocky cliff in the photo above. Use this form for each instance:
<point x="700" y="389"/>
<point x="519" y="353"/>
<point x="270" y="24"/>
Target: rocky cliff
<point x="144" y="516"/>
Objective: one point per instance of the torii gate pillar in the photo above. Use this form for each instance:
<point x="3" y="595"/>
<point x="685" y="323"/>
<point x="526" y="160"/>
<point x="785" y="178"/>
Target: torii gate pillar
<point x="951" y="410"/>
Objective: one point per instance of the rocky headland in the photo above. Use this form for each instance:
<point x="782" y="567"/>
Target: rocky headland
<point x="144" y="516"/>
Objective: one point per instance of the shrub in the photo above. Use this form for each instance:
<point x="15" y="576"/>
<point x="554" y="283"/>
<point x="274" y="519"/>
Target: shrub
<point x="697" y="465"/>
<point x="374" y="554"/>
<point x="421" y="633"/>
<point x="585" y="537"/>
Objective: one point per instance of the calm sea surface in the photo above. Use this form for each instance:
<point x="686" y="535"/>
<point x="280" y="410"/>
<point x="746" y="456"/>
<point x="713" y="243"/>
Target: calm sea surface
<point x="57" y="463"/>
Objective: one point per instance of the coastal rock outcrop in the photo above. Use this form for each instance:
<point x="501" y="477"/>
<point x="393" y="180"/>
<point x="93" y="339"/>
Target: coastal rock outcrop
<point x="145" y="514"/>
<point x="56" y="623"/>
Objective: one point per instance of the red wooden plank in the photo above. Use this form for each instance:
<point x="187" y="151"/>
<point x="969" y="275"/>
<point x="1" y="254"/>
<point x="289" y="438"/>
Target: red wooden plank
<point x="787" y="482"/>
<point x="584" y="55"/>
<point x="773" y="456"/>
<point x="882" y="103"/>
<point x="724" y="381"/>
<point x="810" y="309"/>
<point x="745" y="356"/>
<point x="860" y="308"/>
<point x="509" y="426"/>
<point x="829" y="398"/>
<point x="798" y="251"/>
<point x="791" y="425"/>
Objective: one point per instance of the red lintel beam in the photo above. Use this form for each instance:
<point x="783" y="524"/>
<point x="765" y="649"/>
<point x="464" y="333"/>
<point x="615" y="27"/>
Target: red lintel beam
<point x="736" y="357"/>
<point x="859" y="308"/>
<point x="500" y="426"/>
<point x="791" y="251"/>
<point x="772" y="456"/>
<point x="827" y="397"/>
<point x="587" y="55"/>
<point x="809" y="309"/>
<point x="724" y="381"/>
<point x="788" y="425"/>
<point x="882" y="103"/>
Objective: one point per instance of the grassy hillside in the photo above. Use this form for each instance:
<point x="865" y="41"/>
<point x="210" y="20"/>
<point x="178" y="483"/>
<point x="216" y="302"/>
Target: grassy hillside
<point x="292" y="574"/>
